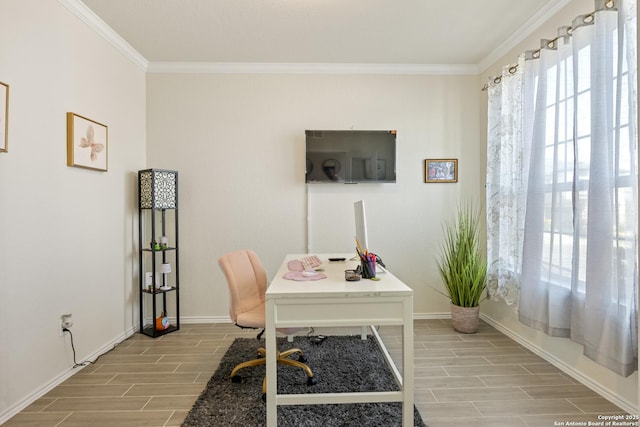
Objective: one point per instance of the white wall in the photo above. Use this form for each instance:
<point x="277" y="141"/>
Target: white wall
<point x="565" y="353"/>
<point x="66" y="234"/>
<point x="238" y="143"/>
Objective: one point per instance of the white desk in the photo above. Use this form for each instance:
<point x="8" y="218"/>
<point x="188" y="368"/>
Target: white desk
<point x="335" y="302"/>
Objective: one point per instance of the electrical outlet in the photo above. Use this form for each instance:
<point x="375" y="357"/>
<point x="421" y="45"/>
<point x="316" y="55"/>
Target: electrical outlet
<point x="65" y="322"/>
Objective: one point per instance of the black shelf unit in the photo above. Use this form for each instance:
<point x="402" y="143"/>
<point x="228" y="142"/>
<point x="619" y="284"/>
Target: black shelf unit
<point x="158" y="217"/>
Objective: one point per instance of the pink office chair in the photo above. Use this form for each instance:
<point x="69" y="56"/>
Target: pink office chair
<point x="247" y="282"/>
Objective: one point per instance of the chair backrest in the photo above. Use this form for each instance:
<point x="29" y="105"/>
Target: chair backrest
<point x="247" y="282"/>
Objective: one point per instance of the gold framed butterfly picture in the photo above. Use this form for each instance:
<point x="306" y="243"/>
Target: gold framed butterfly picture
<point x="87" y="143"/>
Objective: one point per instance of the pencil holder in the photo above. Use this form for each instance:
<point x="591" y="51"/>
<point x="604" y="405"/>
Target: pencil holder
<point x="368" y="269"/>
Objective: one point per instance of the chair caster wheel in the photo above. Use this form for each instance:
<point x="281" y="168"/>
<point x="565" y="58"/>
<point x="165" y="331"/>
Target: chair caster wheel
<point x="236" y="379"/>
<point x="312" y="381"/>
<point x="302" y="358"/>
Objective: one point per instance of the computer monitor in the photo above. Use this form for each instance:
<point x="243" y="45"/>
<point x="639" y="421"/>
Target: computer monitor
<point x="361" y="225"/>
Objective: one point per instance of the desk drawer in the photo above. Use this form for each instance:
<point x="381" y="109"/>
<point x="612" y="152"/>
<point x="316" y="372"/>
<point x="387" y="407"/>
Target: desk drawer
<point x="341" y="312"/>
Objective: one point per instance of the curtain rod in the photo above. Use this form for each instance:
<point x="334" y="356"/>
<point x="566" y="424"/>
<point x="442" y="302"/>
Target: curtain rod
<point x="534" y="54"/>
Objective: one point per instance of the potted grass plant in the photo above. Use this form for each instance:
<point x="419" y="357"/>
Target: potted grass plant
<point x="463" y="268"/>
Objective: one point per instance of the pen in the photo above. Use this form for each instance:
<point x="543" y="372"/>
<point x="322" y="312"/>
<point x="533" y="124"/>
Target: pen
<point x="358" y="246"/>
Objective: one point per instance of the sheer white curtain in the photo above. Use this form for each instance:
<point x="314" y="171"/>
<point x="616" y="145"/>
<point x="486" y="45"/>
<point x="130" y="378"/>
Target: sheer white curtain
<point x="506" y="181"/>
<point x="579" y="270"/>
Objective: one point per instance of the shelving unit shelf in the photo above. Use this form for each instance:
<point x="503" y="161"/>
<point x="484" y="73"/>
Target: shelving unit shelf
<point x="159" y="278"/>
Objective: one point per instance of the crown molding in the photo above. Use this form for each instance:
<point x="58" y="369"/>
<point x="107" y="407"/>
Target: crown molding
<point x="307" y="68"/>
<point x="86" y="15"/>
<point x="551" y="8"/>
<point x="79" y="9"/>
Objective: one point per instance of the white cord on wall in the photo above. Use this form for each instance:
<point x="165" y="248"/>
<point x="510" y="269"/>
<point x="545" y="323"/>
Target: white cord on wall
<point x="308" y="214"/>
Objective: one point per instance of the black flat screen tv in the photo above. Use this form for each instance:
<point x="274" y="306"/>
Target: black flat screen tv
<point x="350" y="156"/>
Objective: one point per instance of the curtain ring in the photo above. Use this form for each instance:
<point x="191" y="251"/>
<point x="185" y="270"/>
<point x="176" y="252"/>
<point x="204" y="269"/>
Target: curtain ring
<point x="588" y="19"/>
<point x="609" y="4"/>
<point x="497" y="79"/>
<point x="513" y="69"/>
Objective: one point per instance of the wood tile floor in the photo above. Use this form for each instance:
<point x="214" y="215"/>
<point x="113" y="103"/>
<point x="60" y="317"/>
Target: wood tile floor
<point x="485" y="379"/>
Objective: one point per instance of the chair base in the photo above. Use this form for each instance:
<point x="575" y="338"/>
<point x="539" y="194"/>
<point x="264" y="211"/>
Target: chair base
<point x="282" y="358"/>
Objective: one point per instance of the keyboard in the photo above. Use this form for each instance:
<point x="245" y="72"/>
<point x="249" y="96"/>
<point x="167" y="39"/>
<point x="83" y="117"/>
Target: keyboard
<point x="311" y="262"/>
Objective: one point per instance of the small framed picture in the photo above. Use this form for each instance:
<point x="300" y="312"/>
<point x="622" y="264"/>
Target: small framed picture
<point x="87" y="143"/>
<point x="4" y="117"/>
<point x="441" y="170"/>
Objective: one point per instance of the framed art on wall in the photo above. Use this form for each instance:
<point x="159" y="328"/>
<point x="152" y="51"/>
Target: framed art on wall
<point x="4" y="117"/>
<point x="87" y="143"/>
<point x="441" y="170"/>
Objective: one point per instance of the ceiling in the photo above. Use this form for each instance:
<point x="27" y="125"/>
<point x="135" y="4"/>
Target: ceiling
<point x="451" y="32"/>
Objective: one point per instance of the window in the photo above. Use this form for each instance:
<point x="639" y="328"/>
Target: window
<point x="578" y="270"/>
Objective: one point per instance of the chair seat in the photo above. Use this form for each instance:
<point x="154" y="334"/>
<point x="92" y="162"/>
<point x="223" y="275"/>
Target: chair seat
<point x="252" y="318"/>
<point x="255" y="319"/>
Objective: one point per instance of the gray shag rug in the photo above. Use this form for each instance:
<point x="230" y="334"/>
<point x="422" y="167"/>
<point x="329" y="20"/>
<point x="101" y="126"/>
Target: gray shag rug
<point x="341" y="364"/>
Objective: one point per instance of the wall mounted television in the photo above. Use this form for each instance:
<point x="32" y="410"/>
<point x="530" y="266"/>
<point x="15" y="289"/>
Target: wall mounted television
<point x="350" y="156"/>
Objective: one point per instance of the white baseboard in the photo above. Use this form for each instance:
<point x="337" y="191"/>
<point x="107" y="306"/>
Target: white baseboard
<point x="194" y="319"/>
<point x="15" y="409"/>
<point x="423" y="316"/>
<point x="205" y="319"/>
<point x="226" y="319"/>
<point x="630" y="407"/>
